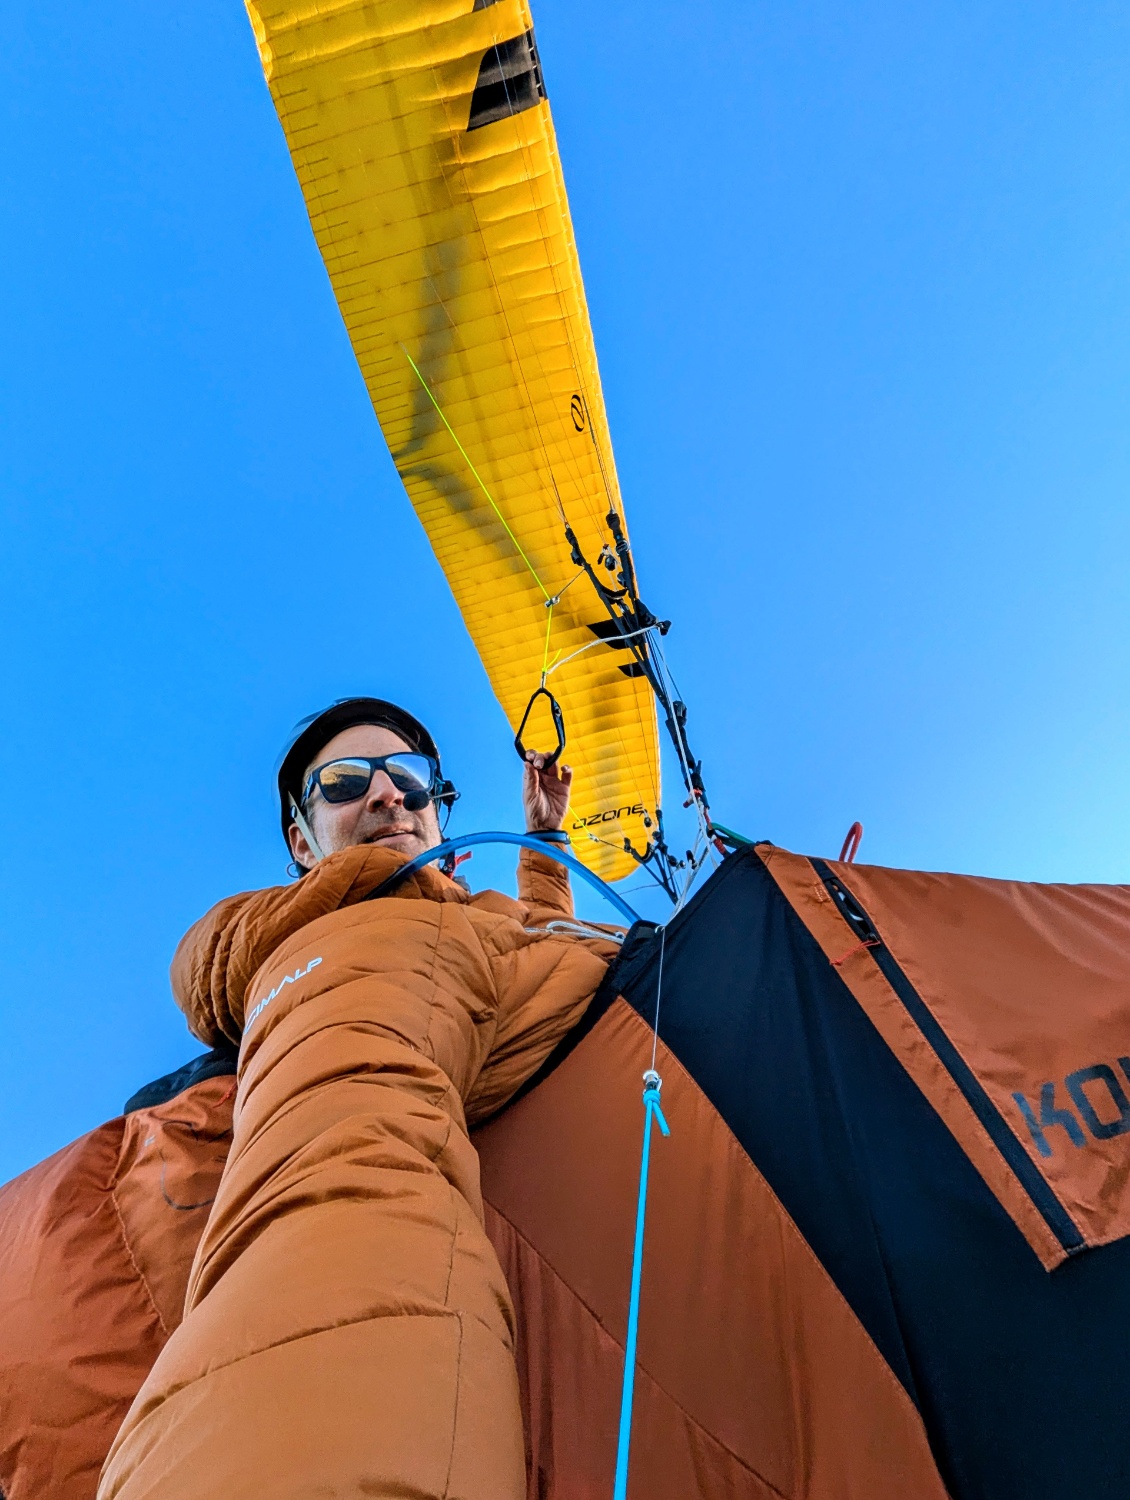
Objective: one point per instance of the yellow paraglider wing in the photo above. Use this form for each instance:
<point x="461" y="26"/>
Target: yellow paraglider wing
<point x="423" y="141"/>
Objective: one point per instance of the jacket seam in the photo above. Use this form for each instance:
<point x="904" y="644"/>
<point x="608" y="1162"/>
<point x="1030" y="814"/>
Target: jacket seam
<point x="140" y="1274"/>
<point x="455" y="1412"/>
<point x="173" y="1390"/>
<point x="429" y="1045"/>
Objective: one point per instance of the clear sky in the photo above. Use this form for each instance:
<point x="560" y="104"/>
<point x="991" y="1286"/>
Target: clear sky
<point x="860" y="281"/>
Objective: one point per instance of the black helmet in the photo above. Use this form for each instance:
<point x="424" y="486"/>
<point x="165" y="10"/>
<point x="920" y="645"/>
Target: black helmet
<point x="311" y="733"/>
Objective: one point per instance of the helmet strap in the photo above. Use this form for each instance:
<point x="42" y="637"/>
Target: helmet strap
<point x="306" y="831"/>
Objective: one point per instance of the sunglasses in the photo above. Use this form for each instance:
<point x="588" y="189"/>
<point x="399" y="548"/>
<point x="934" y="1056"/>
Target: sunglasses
<point x="348" y="779"/>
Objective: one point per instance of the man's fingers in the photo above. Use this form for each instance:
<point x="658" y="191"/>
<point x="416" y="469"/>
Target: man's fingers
<point x="536" y="761"/>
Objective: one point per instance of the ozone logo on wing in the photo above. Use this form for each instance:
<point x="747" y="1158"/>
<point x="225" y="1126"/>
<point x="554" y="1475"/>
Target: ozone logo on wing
<point x="278" y="989"/>
<point x="637" y="810"/>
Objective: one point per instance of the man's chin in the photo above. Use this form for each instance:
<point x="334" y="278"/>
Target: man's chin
<point x="410" y="844"/>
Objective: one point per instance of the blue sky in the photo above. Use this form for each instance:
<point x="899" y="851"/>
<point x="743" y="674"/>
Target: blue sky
<point x="860" y="282"/>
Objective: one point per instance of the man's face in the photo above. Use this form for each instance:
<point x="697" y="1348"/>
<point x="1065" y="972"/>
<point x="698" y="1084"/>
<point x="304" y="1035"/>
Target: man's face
<point x="379" y="817"/>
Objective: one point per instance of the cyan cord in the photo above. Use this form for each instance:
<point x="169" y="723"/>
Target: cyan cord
<point x="523" y="841"/>
<point x="652" y="1110"/>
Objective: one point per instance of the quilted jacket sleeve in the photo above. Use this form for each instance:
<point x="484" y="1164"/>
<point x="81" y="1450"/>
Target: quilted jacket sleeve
<point x="543" y="888"/>
<point x="544" y="988"/>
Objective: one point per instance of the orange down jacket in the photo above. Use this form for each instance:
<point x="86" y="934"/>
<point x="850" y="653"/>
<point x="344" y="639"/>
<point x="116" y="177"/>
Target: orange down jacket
<point x="347" y="1327"/>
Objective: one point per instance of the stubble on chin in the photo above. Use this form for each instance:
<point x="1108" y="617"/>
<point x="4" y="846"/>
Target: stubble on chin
<point x="405" y="834"/>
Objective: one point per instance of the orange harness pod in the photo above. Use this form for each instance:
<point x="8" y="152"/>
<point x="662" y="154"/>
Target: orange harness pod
<point x="886" y="1248"/>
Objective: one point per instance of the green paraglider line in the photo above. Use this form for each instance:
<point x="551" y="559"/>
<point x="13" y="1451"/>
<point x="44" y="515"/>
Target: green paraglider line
<point x="467" y="459"/>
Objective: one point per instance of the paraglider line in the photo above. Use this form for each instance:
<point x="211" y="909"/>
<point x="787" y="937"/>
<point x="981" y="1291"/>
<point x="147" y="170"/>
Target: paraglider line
<point x="658" y="996"/>
<point x="652" y="1111"/>
<point x="478" y="477"/>
<point x="680" y="749"/>
<point x="595" y="445"/>
<point x="588" y="646"/>
<point x="557" y="598"/>
<point x="548" y="627"/>
<point x="625" y="608"/>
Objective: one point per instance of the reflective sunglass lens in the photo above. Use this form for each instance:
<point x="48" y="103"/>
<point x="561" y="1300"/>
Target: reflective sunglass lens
<point x="409" y="773"/>
<point x="344" y="780"/>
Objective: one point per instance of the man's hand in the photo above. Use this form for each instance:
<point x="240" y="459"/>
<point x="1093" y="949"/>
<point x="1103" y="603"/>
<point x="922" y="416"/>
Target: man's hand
<point x="545" y="793"/>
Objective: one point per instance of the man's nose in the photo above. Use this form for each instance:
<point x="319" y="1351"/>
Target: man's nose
<point x="382" y="793"/>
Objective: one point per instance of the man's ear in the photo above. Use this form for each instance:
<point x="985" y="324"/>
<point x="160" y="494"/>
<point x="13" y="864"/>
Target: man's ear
<point x="307" y="852"/>
<point x="303" y="854"/>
